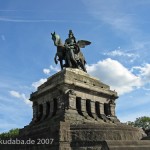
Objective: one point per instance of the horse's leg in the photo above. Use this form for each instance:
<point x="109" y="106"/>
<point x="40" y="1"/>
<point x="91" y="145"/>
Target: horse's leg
<point x="55" y="58"/>
<point x="61" y="63"/>
<point x="84" y="69"/>
<point x="82" y="65"/>
<point x="68" y="61"/>
<point x="72" y="56"/>
<point x="82" y="61"/>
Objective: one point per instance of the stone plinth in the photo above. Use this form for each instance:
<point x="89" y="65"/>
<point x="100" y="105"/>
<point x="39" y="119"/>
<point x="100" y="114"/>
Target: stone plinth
<point x="78" y="112"/>
<point x="74" y="96"/>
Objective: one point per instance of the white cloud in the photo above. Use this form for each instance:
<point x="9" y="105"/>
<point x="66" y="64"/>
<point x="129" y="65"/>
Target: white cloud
<point x="20" y="96"/>
<point x="26" y="100"/>
<point x="38" y="83"/>
<point x="10" y="19"/>
<point x="116" y="75"/>
<point x="15" y="94"/>
<point x="51" y="68"/>
<point x="46" y="71"/>
<point x="143" y="72"/>
<point x="121" y="53"/>
<point x="56" y="69"/>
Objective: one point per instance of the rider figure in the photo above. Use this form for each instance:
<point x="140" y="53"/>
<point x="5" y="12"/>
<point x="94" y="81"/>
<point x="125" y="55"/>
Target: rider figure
<point x="72" y="50"/>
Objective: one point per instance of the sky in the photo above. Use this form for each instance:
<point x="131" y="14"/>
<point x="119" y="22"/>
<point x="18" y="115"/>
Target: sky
<point x="118" y="55"/>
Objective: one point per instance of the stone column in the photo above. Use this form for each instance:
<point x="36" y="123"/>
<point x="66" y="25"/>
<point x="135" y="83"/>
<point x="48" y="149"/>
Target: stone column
<point x="35" y="111"/>
<point x="101" y="105"/>
<point x="112" y="109"/>
<point x="83" y="108"/>
<point x="93" y="110"/>
<point x="112" y="106"/>
<point x="44" y="111"/>
<point x="72" y="101"/>
<point x="40" y="111"/>
<point x="102" y="114"/>
<point x="51" y="109"/>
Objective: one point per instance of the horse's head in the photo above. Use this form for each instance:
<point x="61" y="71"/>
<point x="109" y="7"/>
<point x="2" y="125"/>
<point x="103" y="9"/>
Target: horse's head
<point x="56" y="39"/>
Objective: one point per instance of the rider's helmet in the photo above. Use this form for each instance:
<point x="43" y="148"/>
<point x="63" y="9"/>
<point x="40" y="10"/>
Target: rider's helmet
<point x="71" y="35"/>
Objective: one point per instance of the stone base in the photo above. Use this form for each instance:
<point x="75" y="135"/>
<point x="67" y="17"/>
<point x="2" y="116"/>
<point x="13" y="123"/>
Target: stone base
<point x="67" y="136"/>
<point x="74" y="111"/>
<point x="128" y="145"/>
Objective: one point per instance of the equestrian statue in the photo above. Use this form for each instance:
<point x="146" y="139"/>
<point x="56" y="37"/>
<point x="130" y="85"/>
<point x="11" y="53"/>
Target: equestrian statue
<point x="69" y="53"/>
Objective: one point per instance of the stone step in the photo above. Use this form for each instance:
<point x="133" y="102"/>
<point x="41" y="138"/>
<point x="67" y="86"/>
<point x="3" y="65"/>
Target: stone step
<point x="104" y="131"/>
<point x="128" y="145"/>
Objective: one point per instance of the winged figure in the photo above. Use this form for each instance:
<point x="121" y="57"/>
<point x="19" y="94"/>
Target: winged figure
<point x="83" y="43"/>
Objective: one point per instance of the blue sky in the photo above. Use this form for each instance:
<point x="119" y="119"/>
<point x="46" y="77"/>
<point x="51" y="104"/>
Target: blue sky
<point x="119" y="53"/>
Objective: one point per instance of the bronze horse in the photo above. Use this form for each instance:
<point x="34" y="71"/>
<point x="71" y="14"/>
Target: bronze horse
<point x="60" y="49"/>
<point x="61" y="53"/>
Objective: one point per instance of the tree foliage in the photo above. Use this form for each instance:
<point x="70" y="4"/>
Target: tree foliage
<point x="141" y="122"/>
<point x="10" y="134"/>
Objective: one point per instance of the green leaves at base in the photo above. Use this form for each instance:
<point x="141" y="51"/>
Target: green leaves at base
<point x="10" y="134"/>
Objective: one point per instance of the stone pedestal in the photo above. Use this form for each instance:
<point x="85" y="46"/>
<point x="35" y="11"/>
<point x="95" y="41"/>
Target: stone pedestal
<point x="72" y="95"/>
<point x="78" y="112"/>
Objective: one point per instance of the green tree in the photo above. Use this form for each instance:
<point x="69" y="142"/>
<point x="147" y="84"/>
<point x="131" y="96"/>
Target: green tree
<point x="10" y="134"/>
<point x="141" y="122"/>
